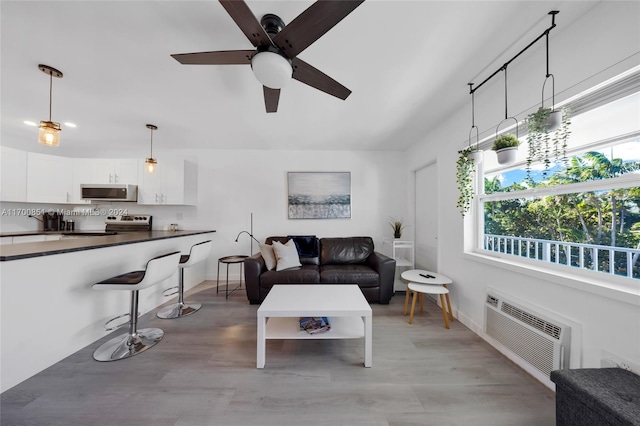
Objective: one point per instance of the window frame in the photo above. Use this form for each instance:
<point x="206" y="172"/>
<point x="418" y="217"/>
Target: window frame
<point x="614" y="286"/>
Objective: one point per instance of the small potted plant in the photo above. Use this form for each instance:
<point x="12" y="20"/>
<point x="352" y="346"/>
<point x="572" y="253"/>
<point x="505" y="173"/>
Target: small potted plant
<point x="505" y="147"/>
<point x="397" y="227"/>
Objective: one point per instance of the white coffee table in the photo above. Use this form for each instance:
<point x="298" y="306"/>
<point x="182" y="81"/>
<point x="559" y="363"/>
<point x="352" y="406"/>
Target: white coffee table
<point x="348" y="311"/>
<point x="427" y="282"/>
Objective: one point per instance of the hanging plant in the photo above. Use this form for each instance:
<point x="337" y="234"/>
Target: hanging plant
<point x="546" y="145"/>
<point x="465" y="168"/>
<point x="505" y="147"/>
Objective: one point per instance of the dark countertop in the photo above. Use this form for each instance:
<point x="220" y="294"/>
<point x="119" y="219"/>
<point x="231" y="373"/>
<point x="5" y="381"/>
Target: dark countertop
<point x="77" y="232"/>
<point x="48" y="248"/>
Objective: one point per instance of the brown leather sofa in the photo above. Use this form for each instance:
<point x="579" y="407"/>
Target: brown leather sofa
<point x="350" y="260"/>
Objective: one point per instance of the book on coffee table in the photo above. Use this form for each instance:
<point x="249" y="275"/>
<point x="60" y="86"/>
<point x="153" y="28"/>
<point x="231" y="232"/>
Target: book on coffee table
<point x="313" y="325"/>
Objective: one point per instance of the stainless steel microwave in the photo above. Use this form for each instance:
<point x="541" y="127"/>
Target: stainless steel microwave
<point x="109" y="192"/>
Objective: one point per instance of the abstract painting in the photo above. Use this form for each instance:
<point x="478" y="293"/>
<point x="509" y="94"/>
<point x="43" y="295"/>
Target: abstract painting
<point x="319" y="195"/>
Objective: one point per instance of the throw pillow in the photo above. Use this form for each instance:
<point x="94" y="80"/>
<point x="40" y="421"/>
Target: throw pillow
<point x="286" y="255"/>
<point x="308" y="245"/>
<point x="268" y="256"/>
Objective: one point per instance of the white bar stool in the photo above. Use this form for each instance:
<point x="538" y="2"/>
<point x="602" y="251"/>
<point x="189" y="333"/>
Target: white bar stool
<point x="197" y="254"/>
<point x="135" y="341"/>
<point x="419" y="290"/>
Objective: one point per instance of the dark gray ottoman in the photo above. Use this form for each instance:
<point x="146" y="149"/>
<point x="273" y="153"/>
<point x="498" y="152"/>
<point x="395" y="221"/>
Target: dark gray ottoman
<point x="597" y="397"/>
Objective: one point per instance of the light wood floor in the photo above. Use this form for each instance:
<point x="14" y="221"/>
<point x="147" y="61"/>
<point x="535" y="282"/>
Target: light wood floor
<point x="204" y="373"/>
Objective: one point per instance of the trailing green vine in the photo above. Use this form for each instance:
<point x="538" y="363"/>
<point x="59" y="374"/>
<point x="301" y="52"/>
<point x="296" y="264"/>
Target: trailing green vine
<point x="465" y="168"/>
<point x="543" y="147"/>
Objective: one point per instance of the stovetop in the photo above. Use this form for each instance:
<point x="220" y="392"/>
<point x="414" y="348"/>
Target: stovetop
<point x="128" y="223"/>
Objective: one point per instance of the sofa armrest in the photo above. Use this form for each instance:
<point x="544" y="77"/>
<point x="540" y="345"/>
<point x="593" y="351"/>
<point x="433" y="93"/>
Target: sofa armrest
<point x="254" y="266"/>
<point x="385" y="266"/>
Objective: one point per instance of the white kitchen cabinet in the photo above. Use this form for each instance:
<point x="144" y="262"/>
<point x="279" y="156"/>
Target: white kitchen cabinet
<point x="6" y="240"/>
<point x="102" y="171"/>
<point x="123" y="171"/>
<point x="13" y="175"/>
<point x="49" y="178"/>
<point x="173" y="183"/>
<point x="403" y="252"/>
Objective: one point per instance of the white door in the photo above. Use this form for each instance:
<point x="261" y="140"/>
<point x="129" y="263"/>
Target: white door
<point x="426" y="196"/>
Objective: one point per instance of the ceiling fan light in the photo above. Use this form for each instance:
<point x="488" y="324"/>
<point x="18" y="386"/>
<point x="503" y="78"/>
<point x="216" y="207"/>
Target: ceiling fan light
<point x="49" y="133"/>
<point x="271" y="69"/>
<point x="150" y="164"/>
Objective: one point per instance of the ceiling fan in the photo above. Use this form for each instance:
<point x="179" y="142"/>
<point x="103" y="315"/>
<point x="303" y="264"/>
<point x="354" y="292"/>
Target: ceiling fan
<point x="275" y="58"/>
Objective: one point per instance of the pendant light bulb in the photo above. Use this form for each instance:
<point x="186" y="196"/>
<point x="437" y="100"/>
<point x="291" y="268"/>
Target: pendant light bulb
<point x="150" y="163"/>
<point x="49" y="131"/>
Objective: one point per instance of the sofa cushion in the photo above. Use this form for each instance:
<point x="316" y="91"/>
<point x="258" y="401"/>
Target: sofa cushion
<point x="348" y="250"/>
<point x="362" y="275"/>
<point x="306" y="274"/>
<point x="268" y="255"/>
<point x="286" y="255"/>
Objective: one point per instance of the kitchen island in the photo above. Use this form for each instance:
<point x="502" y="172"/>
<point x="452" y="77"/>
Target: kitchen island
<point x="47" y="306"/>
<point x="79" y="241"/>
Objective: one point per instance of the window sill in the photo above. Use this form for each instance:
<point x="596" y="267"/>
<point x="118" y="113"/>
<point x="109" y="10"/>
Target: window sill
<point x="611" y="286"/>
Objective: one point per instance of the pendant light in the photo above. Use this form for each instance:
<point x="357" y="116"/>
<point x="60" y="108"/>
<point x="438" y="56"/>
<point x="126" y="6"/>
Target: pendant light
<point x="150" y="163"/>
<point x="49" y="133"/>
<point x="555" y="117"/>
<point x="477" y="155"/>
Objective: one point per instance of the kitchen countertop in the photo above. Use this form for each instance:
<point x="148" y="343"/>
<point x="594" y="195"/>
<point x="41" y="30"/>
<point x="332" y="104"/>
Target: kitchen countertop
<point x="47" y="248"/>
<point x="76" y="232"/>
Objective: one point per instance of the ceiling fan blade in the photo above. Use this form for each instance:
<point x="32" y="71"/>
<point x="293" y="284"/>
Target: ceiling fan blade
<point x="247" y="21"/>
<point x="271" y="98"/>
<point x="305" y="73"/>
<point x="225" y="57"/>
<point x="311" y="24"/>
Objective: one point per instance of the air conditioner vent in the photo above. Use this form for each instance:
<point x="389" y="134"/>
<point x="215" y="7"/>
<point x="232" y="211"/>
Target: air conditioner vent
<point x="534" y="321"/>
<point x="536" y="338"/>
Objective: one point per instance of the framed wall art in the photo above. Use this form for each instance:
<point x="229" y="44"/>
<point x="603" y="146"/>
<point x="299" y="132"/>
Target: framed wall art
<point x="319" y="195"/>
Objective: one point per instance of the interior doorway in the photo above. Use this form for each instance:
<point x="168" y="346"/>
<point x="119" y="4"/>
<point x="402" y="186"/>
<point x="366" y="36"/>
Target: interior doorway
<point x="426" y="217"/>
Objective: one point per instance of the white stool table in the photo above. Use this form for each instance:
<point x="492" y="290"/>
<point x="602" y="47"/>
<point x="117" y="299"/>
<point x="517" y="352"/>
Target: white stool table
<point x="426" y="282"/>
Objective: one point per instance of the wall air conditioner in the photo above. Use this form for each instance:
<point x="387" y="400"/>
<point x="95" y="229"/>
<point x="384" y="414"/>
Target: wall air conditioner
<point x="541" y="342"/>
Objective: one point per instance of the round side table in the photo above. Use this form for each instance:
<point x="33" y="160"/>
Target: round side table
<point x="426" y="282"/>
<point x="229" y="260"/>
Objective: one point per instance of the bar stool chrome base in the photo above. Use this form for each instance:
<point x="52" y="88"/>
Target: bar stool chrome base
<point x="128" y="345"/>
<point x="178" y="310"/>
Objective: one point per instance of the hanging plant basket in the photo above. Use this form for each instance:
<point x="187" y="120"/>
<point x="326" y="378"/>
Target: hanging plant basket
<point x="507" y="155"/>
<point x="506" y="145"/>
<point x="477" y="155"/>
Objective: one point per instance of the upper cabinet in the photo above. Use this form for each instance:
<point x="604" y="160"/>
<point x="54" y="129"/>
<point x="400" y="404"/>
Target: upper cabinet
<point x="102" y="171"/>
<point x="13" y="174"/>
<point x="49" y="178"/>
<point x="173" y="183"/>
<point x="41" y="178"/>
<point x="114" y="171"/>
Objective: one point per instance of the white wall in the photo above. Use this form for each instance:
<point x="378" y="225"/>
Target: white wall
<point x="232" y="184"/>
<point x="601" y="44"/>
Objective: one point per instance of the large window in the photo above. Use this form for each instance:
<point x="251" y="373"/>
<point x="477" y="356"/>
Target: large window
<point x="581" y="211"/>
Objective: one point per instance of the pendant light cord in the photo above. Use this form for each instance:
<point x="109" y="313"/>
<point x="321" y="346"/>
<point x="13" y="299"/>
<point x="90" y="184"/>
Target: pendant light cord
<point x="50" y="92"/>
<point x="151" y="156"/>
